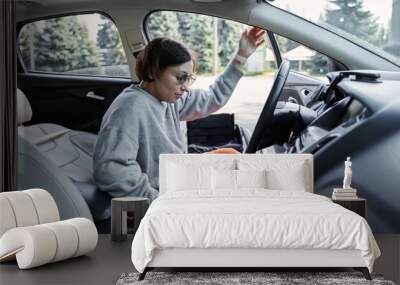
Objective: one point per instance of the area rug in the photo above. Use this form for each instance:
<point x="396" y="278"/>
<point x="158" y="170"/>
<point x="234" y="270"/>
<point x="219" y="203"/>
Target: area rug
<point x="244" y="278"/>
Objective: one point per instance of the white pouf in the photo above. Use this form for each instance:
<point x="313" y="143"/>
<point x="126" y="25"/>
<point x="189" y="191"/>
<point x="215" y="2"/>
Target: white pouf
<point x="31" y="232"/>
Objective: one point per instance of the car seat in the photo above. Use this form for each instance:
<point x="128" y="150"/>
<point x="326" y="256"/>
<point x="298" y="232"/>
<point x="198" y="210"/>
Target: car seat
<point x="60" y="160"/>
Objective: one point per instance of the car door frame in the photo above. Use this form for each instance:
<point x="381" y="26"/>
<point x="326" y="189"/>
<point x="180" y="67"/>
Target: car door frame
<point x="8" y="101"/>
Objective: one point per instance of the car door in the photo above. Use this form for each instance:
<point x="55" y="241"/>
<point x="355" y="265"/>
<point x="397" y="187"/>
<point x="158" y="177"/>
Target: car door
<point x="308" y="69"/>
<point x="71" y="68"/>
<point x="214" y="41"/>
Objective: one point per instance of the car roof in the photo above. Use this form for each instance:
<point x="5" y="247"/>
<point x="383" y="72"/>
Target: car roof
<point x="129" y="15"/>
<point x="42" y="8"/>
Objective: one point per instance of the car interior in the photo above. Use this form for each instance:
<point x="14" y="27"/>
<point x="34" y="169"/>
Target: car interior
<point x="351" y="109"/>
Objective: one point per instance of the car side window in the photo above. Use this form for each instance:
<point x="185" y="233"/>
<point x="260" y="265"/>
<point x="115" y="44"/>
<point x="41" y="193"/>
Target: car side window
<point x="197" y="32"/>
<point x="81" y="44"/>
<point x="305" y="60"/>
<point x="215" y="41"/>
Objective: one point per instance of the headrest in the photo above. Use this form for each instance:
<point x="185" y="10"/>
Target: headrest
<point x="24" y="110"/>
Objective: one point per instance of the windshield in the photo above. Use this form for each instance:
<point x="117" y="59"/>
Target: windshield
<point x="372" y="24"/>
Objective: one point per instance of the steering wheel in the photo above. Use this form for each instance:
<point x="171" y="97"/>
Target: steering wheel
<point x="268" y="110"/>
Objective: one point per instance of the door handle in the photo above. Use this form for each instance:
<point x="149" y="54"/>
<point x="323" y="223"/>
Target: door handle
<point x="91" y="94"/>
<point x="305" y="92"/>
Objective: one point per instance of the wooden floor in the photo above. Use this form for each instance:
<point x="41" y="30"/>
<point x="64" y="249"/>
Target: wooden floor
<point x="111" y="259"/>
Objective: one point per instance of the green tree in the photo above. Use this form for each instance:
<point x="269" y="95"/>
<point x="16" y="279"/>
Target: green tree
<point x="228" y="35"/>
<point x="88" y="52"/>
<point x="319" y="64"/>
<point x="185" y="21"/>
<point x="108" y="39"/>
<point x="381" y="37"/>
<point x="55" y="50"/>
<point x="196" y="32"/>
<point x="63" y="45"/>
<point x="201" y="41"/>
<point x="26" y="43"/>
<point x="164" y="24"/>
<point x="350" y="16"/>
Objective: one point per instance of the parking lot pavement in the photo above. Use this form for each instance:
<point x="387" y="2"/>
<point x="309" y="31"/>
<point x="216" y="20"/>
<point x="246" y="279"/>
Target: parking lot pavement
<point x="247" y="100"/>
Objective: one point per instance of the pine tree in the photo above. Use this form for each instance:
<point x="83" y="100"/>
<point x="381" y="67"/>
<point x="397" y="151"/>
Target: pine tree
<point x="61" y="45"/>
<point x="201" y="41"/>
<point x="319" y="64"/>
<point x="164" y="24"/>
<point x="195" y="31"/>
<point x="188" y="28"/>
<point x="26" y="43"/>
<point x="350" y="16"/>
<point x="88" y="53"/>
<point x="108" y="39"/>
<point x="381" y="37"/>
<point x="229" y="33"/>
<point x="185" y="21"/>
<point x="54" y="49"/>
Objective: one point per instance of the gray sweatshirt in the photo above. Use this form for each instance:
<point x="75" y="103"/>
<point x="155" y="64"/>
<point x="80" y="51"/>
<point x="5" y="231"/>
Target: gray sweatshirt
<point x="138" y="127"/>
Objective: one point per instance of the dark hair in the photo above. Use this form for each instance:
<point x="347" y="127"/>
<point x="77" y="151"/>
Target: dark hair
<point x="159" y="54"/>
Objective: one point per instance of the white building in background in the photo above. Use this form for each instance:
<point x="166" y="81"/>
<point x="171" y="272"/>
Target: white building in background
<point x="261" y="60"/>
<point x="255" y="63"/>
<point x="300" y="54"/>
<point x="270" y="58"/>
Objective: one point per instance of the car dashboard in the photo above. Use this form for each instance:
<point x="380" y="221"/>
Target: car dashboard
<point x="359" y="100"/>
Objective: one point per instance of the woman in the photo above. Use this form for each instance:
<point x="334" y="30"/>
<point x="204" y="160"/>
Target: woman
<point x="143" y="121"/>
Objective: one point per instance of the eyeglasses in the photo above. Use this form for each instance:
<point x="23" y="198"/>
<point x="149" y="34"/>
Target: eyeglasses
<point x="185" y="77"/>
